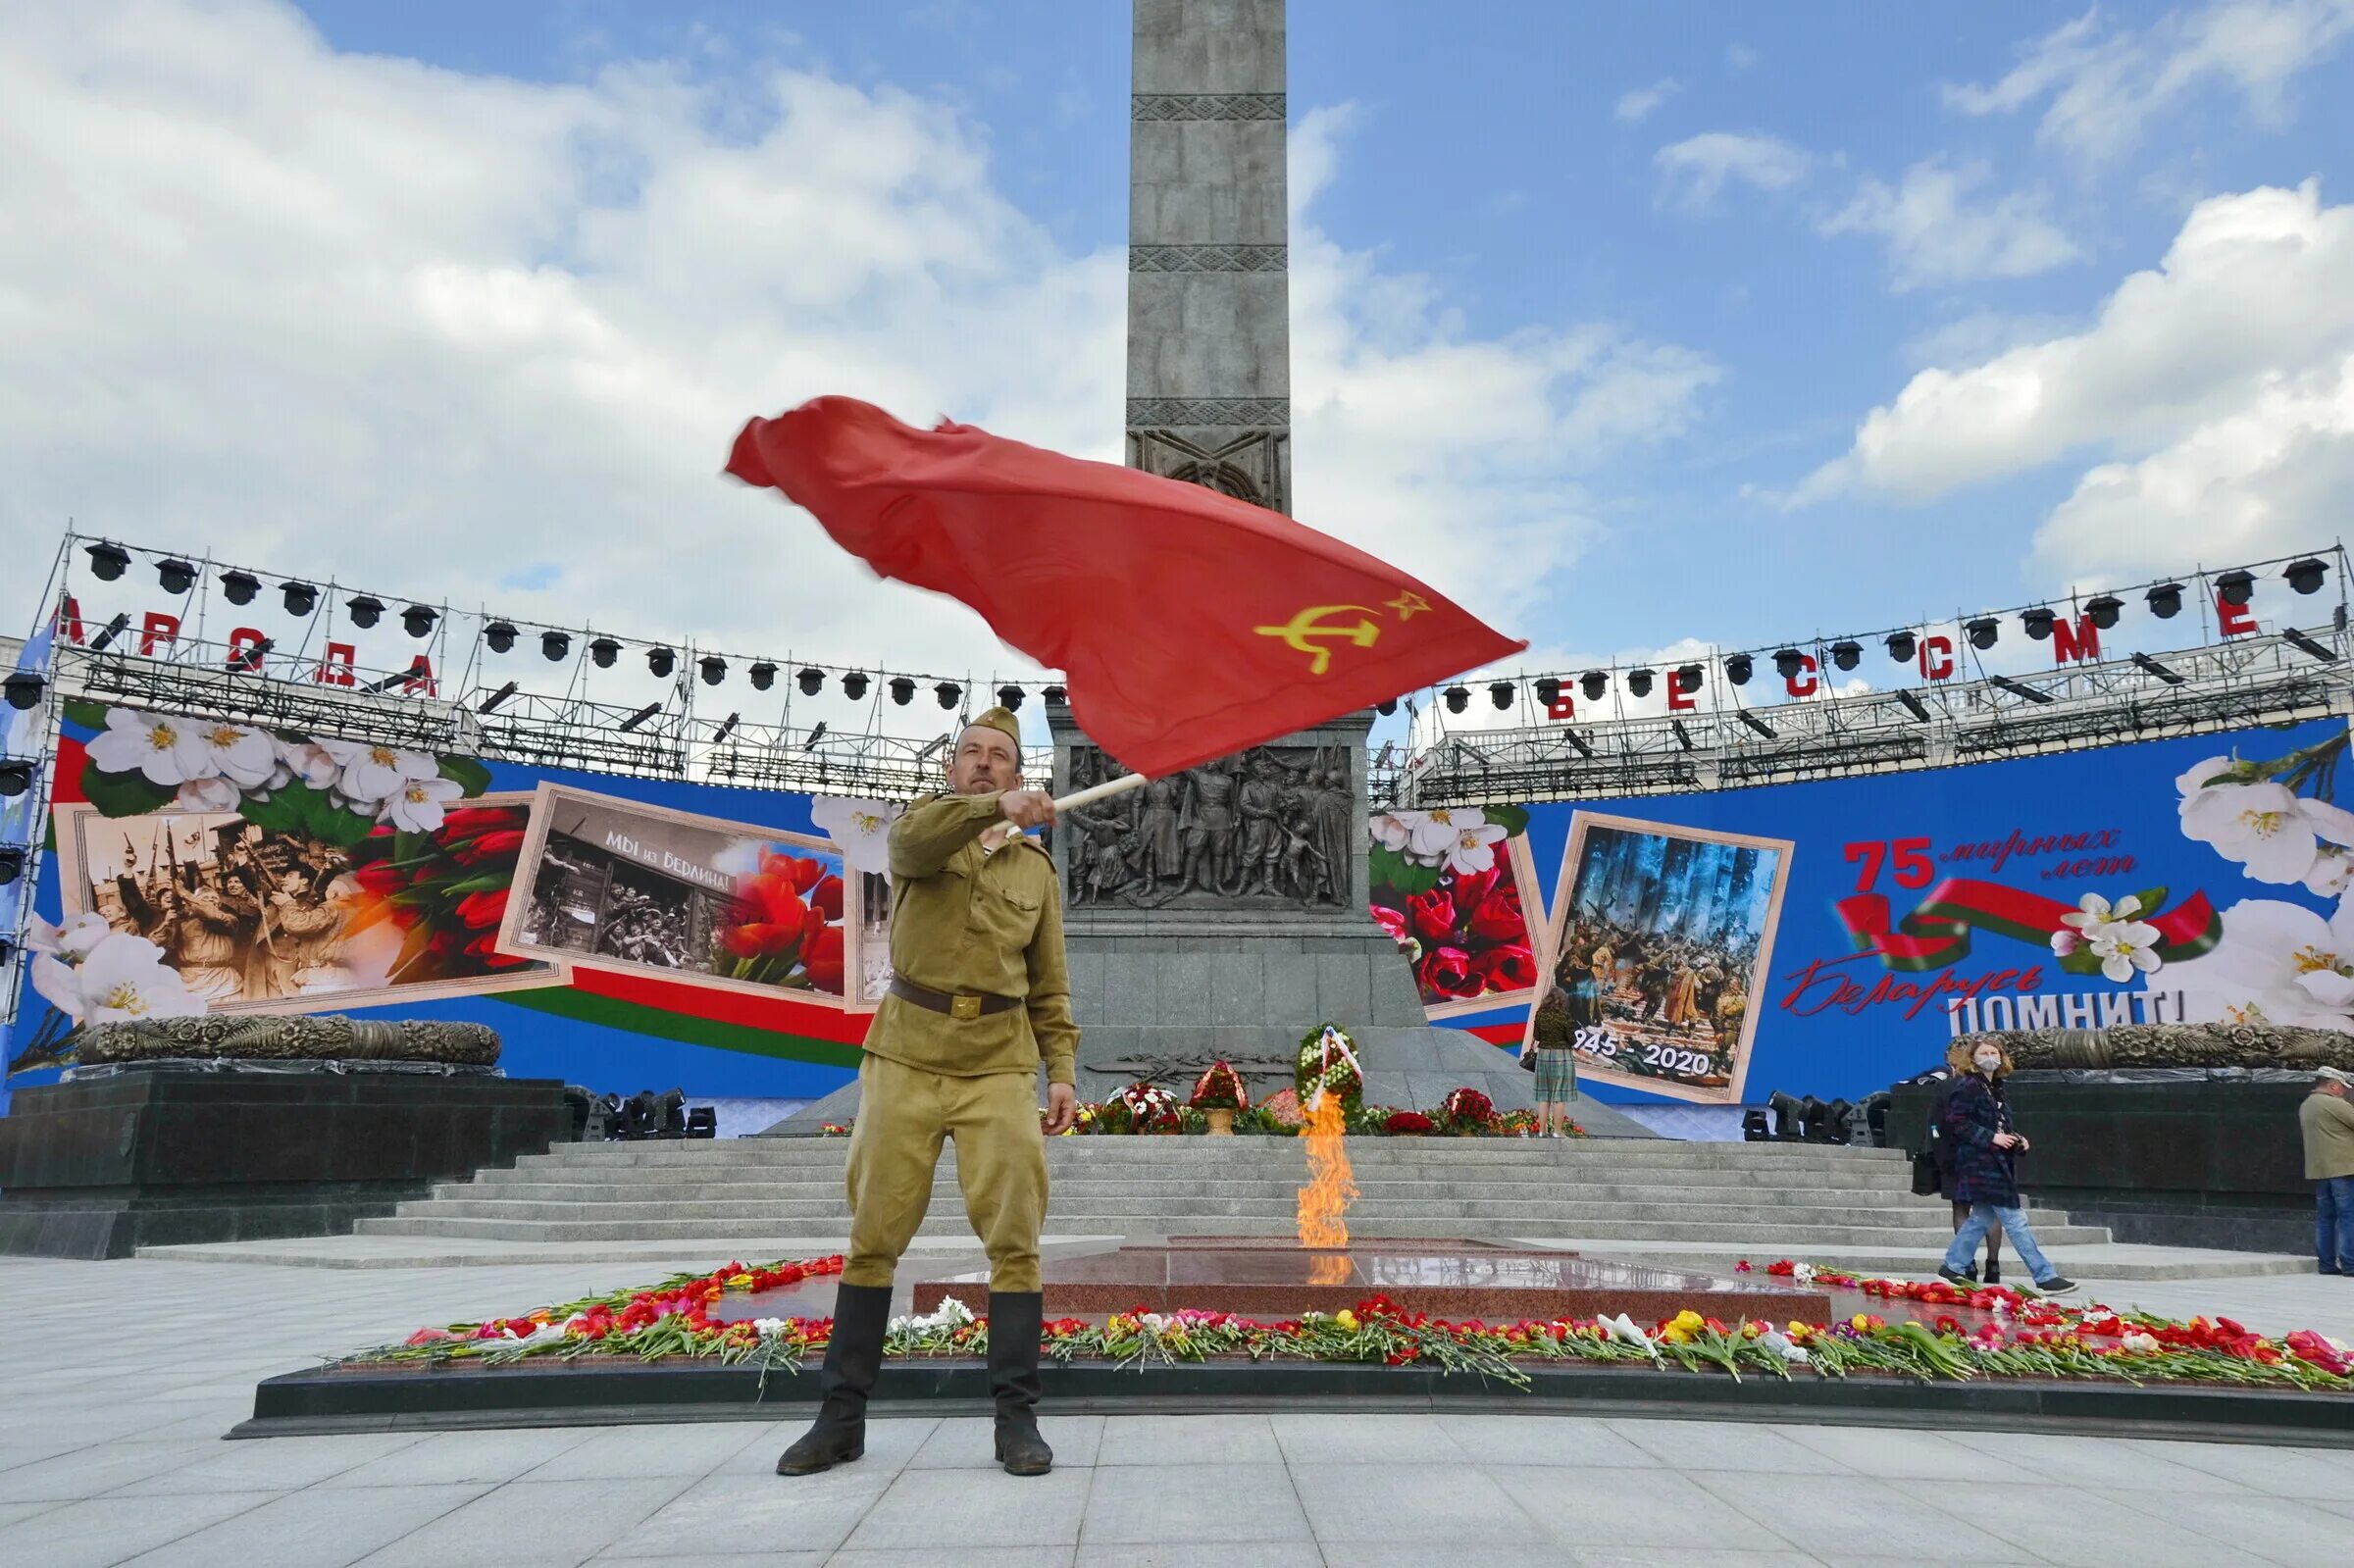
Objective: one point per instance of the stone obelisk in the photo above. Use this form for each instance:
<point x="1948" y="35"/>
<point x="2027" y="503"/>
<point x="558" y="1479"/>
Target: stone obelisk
<point x="1209" y="374"/>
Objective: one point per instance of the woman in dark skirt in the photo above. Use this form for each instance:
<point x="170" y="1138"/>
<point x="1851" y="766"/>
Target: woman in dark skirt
<point x="1556" y="1066"/>
<point x="1978" y="1122"/>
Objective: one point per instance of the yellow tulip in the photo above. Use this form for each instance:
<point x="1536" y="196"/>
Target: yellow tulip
<point x="1345" y="1319"/>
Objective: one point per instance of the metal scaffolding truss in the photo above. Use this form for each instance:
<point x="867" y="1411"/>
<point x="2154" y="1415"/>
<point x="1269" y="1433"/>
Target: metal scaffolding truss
<point x="2254" y="680"/>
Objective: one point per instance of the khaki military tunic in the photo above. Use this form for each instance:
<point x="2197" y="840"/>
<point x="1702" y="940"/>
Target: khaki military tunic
<point x="971" y="923"/>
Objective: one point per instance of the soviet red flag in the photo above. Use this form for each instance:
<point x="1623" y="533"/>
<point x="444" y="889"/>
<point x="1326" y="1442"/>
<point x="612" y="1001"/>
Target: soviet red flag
<point x="1187" y="624"/>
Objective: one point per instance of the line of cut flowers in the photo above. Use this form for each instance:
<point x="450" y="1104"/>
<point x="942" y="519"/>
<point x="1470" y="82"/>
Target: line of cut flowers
<point x="1151" y="1110"/>
<point x="2027" y="1338"/>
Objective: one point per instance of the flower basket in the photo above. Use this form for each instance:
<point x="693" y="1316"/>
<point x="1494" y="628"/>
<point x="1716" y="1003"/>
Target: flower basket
<point x="1221" y="1089"/>
<point x="1221" y="1121"/>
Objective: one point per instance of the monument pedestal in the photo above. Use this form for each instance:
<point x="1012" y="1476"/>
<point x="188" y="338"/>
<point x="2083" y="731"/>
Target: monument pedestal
<point x="100" y="1167"/>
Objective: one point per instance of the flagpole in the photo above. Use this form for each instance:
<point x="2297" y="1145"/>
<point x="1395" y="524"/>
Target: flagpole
<point x="1102" y="791"/>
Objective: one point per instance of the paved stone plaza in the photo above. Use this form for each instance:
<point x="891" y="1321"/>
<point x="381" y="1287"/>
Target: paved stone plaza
<point x="122" y="1375"/>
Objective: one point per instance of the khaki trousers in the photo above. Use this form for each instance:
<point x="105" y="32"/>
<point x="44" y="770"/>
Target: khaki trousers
<point x="903" y="1113"/>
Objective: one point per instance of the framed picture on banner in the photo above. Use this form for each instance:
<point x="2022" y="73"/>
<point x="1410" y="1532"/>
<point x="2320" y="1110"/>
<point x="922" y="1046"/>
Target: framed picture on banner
<point x="1660" y="942"/>
<point x="1457" y="889"/>
<point x="619" y="884"/>
<point x="256" y="918"/>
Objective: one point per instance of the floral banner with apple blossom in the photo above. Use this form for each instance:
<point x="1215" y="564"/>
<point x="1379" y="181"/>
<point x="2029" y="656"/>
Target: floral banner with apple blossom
<point x="2193" y="879"/>
<point x="1452" y="887"/>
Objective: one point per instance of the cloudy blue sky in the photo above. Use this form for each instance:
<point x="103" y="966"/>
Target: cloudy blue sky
<point x="1635" y="327"/>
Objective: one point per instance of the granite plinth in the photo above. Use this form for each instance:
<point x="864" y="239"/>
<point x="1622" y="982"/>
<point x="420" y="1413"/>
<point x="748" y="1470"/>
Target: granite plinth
<point x="1449" y="1278"/>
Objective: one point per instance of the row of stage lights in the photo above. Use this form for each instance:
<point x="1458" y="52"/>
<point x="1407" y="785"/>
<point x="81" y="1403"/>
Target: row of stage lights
<point x="2164" y="602"/>
<point x="108" y="562"/>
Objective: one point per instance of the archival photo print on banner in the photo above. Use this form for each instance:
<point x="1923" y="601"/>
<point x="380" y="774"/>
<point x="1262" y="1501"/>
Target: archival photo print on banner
<point x="1456" y="887"/>
<point x="280" y="920"/>
<point x="607" y="883"/>
<point x="1662" y="937"/>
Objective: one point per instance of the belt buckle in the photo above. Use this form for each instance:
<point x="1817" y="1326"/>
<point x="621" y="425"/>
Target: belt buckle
<point x="964" y="1009"/>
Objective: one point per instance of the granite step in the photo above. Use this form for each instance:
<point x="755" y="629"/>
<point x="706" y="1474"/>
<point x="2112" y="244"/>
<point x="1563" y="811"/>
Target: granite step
<point x="1067" y="1187"/>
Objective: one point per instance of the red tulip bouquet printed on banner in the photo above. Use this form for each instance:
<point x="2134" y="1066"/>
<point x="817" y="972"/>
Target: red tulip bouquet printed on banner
<point x="607" y="883"/>
<point x="1455" y="888"/>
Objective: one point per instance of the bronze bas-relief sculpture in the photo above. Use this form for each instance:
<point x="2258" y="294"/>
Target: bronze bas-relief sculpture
<point x="2143" y="1045"/>
<point x="1273" y="827"/>
<point x="328" y="1037"/>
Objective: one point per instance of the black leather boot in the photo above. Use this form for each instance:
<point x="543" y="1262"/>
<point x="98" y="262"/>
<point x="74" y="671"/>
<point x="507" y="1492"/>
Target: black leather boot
<point x="854" y="1359"/>
<point x="1013" y="1344"/>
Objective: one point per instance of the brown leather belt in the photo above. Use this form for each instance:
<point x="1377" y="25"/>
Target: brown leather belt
<point x="963" y="1006"/>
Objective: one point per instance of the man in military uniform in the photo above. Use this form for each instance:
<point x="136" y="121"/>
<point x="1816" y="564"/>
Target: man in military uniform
<point x="981" y="994"/>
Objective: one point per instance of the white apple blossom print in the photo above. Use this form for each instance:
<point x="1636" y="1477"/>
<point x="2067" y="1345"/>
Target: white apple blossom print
<point x="307" y="761"/>
<point x="2277" y="963"/>
<point x="2128" y="948"/>
<point x="1394" y="831"/>
<point x="127" y="979"/>
<point x="419" y="804"/>
<point x="1474" y="849"/>
<point x="70" y="939"/>
<point x="245" y="757"/>
<point x="372" y="774"/>
<point x="207" y="795"/>
<point x="2267" y="828"/>
<point x="168" y="750"/>
<point x="859" y="829"/>
<point x="1441" y="830"/>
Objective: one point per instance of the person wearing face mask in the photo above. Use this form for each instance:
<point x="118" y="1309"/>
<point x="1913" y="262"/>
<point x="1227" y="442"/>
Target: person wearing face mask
<point x="1986" y="1150"/>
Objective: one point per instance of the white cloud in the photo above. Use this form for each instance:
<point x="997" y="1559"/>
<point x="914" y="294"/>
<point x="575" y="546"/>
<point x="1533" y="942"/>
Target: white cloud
<point x="2215" y="387"/>
<point x="1636" y="106"/>
<point x="427" y="329"/>
<point x="1694" y="171"/>
<point x="1977" y="337"/>
<point x="2103" y="86"/>
<point x="1739" y="57"/>
<point x="1936" y="236"/>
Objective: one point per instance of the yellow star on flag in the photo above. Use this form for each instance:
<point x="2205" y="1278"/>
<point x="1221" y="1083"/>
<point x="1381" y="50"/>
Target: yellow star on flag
<point x="1408" y="605"/>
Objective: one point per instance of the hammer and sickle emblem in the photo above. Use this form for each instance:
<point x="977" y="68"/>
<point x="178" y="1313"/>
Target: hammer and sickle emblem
<point x="1300" y="628"/>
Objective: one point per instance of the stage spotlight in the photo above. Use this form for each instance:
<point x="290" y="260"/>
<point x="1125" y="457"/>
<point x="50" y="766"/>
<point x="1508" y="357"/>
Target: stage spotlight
<point x="16" y="776"/>
<point x="175" y="575"/>
<point x="1984" y="629"/>
<point x="726" y="727"/>
<point x="1579" y="742"/>
<point x="1638" y="682"/>
<point x="1458" y="698"/>
<point x="239" y="587"/>
<point x="815" y="736"/>
<point x="111" y="630"/>
<point x="2017" y="689"/>
<point x="1753" y="1126"/>
<point x="2235" y="587"/>
<point x="1846" y="653"/>
<point x="1787" y="1115"/>
<point x="812" y="680"/>
<point x="2165" y="600"/>
<point x="2306" y="645"/>
<point x="1687" y="679"/>
<point x="24" y="688"/>
<point x="1789" y="662"/>
<point x="1549" y="690"/>
<point x="250" y="656"/>
<point x="555" y="644"/>
<point x="604" y="653"/>
<point x="417" y="621"/>
<point x="1009" y="697"/>
<point x="491" y="701"/>
<point x="1901" y="647"/>
<point x="949" y="692"/>
<point x="12" y="864"/>
<point x="1835" y="1117"/>
<point x="1913" y="705"/>
<point x="2306" y="575"/>
<point x="2103" y="610"/>
<point x="1501" y="694"/>
<point x="1811" y="1111"/>
<point x="1739" y="668"/>
<point x="1594" y="683"/>
<point x="2151" y="667"/>
<point x="764" y="675"/>
<point x="903" y="690"/>
<point x="661" y="661"/>
<point x="366" y="610"/>
<point x="1683" y="737"/>
<point x="2038" y="622"/>
<point x="300" y="598"/>
<point x="1386" y="706"/>
<point x="107" y="561"/>
<point x="501" y="635"/>
<point x="1057" y="697"/>
<point x="853" y="684"/>
<point x="714" y="669"/>
<point x="1754" y="723"/>
<point x="640" y="717"/>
